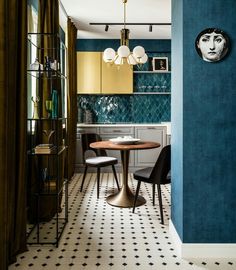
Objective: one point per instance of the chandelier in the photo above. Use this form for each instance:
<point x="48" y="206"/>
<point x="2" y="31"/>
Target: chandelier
<point x="124" y="55"/>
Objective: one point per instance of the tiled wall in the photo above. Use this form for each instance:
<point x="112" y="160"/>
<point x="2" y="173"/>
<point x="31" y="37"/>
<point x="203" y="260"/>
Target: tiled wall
<point x="137" y="108"/>
<point x="125" y="108"/>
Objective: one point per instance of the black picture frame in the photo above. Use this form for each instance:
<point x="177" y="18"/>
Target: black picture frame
<point x="160" y="64"/>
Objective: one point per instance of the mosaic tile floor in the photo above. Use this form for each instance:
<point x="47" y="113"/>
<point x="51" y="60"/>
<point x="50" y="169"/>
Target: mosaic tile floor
<point x="99" y="236"/>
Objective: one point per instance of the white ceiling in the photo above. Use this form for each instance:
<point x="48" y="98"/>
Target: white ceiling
<point x="84" y="12"/>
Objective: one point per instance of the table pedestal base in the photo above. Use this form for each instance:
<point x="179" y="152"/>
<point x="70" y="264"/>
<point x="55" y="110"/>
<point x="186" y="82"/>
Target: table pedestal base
<point x="125" y="199"/>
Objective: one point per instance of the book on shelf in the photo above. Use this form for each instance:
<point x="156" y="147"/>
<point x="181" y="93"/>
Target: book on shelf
<point x="44" y="146"/>
<point x="41" y="150"/>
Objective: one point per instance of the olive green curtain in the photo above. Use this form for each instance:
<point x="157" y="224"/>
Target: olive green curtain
<point x="48" y="22"/>
<point x="72" y="97"/>
<point x="13" y="115"/>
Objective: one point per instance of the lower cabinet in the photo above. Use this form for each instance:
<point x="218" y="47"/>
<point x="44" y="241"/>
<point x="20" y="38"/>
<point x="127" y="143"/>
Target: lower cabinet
<point x="148" y="157"/>
<point x="138" y="158"/>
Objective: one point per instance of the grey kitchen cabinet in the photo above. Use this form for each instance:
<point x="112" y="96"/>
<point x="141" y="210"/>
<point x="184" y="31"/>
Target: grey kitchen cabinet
<point x="149" y="133"/>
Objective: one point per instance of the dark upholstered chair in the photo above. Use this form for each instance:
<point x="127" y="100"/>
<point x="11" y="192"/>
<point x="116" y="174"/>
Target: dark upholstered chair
<point x="100" y="160"/>
<point x="158" y="175"/>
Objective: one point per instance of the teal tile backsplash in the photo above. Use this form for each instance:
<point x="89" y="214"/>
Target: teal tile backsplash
<point x="136" y="108"/>
<point x="125" y="108"/>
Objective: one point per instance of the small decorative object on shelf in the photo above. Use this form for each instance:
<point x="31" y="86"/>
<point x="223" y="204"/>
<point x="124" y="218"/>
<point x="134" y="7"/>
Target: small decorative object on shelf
<point x="48" y="66"/>
<point x="48" y="105"/>
<point x="54" y="65"/>
<point x="35" y="101"/>
<point x="48" y="134"/>
<point x="36" y="65"/>
<point x="54" y="104"/>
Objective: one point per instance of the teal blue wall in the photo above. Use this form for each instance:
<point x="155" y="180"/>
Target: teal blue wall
<point x="177" y="117"/>
<point x="131" y="108"/>
<point x="150" y="45"/>
<point x="204" y="124"/>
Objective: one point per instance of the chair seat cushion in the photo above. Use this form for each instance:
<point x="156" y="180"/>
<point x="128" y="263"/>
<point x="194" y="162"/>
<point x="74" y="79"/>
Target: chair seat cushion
<point x="101" y="161"/>
<point x="143" y="174"/>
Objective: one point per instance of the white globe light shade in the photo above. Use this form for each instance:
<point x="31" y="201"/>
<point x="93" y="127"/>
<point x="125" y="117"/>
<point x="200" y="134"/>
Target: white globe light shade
<point x="143" y="59"/>
<point x="123" y="51"/>
<point x="109" y="55"/>
<point x="138" y="51"/>
<point x="132" y="60"/>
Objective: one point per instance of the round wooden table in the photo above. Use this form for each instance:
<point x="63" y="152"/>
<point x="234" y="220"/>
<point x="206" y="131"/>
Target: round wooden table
<point x="124" y="198"/>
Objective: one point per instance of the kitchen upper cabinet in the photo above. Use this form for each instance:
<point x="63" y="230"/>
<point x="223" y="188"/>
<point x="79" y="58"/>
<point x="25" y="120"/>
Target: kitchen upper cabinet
<point x="94" y="76"/>
<point x="117" y="80"/>
<point x="89" y="72"/>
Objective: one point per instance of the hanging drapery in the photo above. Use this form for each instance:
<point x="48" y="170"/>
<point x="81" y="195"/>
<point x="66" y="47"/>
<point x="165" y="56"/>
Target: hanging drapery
<point x="13" y="115"/>
<point x="72" y="97"/>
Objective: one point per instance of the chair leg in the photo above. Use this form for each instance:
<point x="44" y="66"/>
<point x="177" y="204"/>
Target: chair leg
<point x="136" y="195"/>
<point x="160" y="203"/>
<point x="85" y="172"/>
<point x="98" y="180"/>
<point x="115" y="175"/>
<point x="153" y="194"/>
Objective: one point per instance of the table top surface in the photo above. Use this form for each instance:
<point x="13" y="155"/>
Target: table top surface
<point x="137" y="146"/>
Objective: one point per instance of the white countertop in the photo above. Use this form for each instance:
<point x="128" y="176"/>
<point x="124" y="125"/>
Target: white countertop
<point x="167" y="124"/>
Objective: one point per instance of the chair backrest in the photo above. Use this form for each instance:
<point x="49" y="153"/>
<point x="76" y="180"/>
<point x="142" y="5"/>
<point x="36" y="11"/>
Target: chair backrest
<point x="162" y="167"/>
<point x="86" y="139"/>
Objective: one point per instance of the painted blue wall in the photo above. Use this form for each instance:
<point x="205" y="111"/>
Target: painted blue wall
<point x="177" y="117"/>
<point x="150" y="45"/>
<point x="206" y="133"/>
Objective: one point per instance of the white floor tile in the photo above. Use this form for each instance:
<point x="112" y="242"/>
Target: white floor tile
<point x="99" y="236"/>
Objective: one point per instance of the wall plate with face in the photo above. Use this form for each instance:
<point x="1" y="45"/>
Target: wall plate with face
<point x="212" y="44"/>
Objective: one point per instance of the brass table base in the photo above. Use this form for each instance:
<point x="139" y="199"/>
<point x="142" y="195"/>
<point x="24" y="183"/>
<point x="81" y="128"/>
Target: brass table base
<point x="125" y="199"/>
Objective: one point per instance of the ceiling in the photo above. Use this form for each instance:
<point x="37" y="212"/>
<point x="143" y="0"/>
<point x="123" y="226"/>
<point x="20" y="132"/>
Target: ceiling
<point x="111" y="11"/>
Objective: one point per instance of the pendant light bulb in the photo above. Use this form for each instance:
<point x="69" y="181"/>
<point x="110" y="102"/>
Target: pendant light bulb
<point x="138" y="52"/>
<point x="143" y="59"/>
<point x="123" y="51"/>
<point x="109" y="55"/>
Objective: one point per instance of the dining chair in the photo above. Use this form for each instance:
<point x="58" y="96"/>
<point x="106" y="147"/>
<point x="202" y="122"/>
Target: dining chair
<point x="157" y="175"/>
<point x="100" y="160"/>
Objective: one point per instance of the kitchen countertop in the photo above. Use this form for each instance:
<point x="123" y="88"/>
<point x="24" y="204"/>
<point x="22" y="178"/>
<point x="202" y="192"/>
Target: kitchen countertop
<point x="167" y="124"/>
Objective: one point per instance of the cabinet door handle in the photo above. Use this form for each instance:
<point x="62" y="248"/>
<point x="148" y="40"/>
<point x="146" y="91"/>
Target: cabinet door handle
<point x="117" y="130"/>
<point x="151" y="128"/>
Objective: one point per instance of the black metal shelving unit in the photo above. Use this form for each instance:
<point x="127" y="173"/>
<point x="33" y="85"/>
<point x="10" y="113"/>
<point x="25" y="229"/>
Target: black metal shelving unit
<point x="47" y="200"/>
